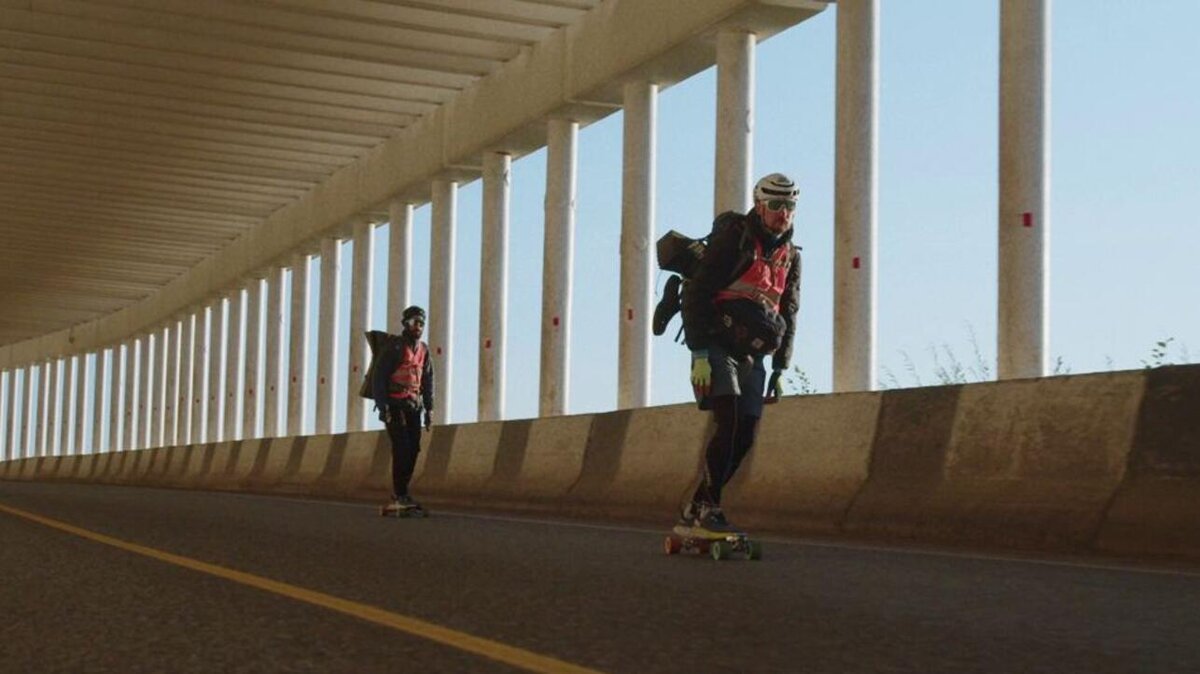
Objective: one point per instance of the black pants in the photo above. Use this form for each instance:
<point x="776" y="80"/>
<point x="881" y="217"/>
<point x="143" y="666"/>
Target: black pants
<point x="404" y="430"/>
<point x="729" y="445"/>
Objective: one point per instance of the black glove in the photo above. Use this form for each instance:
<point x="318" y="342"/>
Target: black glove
<point x="428" y="419"/>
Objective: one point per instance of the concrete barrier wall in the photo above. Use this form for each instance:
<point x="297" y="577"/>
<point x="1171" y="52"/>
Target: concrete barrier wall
<point x="1106" y="463"/>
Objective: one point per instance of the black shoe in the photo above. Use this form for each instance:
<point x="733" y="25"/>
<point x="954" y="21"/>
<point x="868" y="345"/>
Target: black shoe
<point x="712" y="520"/>
<point x="408" y="503"/>
<point x="668" y="306"/>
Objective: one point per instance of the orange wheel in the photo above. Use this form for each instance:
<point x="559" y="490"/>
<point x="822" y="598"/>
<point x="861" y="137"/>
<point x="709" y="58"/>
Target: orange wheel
<point x="672" y="545"/>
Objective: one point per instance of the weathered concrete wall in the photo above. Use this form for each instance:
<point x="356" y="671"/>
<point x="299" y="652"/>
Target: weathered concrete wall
<point x="1102" y="463"/>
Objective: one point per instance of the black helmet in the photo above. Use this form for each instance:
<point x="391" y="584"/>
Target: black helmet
<point x="412" y="312"/>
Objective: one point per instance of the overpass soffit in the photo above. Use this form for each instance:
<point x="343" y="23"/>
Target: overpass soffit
<point x="149" y="148"/>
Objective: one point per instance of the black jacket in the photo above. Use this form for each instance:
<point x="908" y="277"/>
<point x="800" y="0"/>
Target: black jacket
<point x="385" y="365"/>
<point x="729" y="254"/>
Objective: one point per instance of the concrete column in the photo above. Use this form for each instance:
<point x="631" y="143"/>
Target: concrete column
<point x="132" y="357"/>
<point x="233" y="367"/>
<point x="360" y="317"/>
<point x="273" y="345"/>
<point x="101" y="383"/>
<point x="197" y="423"/>
<point x="1022" y="323"/>
<point x="43" y="406"/>
<point x="141" y="431"/>
<point x="251" y="387"/>
<point x="53" y="405"/>
<point x="493" y="301"/>
<point x="28" y="412"/>
<point x="327" y="346"/>
<point x="79" y="402"/>
<point x="183" y="397"/>
<point x="400" y="216"/>
<point x="116" y="399"/>
<point x="172" y="410"/>
<point x="216" y="394"/>
<point x="7" y="411"/>
<point x="735" y="120"/>
<point x="856" y="194"/>
<point x="557" y="252"/>
<point x="158" y="385"/>
<point x="298" y="341"/>
<point x="441" y="293"/>
<point x="637" y="237"/>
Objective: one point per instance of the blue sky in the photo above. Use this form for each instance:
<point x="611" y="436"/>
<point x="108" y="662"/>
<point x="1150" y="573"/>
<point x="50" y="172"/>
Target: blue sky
<point x="1125" y="163"/>
<point x="1125" y="168"/>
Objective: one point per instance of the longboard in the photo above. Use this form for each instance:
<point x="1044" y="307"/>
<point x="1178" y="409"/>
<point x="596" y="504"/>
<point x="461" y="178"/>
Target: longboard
<point x="391" y="510"/>
<point x="719" y="546"/>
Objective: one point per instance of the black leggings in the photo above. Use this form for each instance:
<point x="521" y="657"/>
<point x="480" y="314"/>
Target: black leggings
<point x="404" y="430"/>
<point x="728" y="446"/>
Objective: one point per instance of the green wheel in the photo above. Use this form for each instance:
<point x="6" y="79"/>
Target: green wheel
<point x="753" y="550"/>
<point x="719" y="550"/>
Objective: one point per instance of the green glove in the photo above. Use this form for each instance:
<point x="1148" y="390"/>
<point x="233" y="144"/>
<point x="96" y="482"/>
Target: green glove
<point x="774" y="387"/>
<point x="701" y="373"/>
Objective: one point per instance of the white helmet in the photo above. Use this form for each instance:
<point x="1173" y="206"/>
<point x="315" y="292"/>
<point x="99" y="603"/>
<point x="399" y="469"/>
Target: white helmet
<point x="775" y="186"/>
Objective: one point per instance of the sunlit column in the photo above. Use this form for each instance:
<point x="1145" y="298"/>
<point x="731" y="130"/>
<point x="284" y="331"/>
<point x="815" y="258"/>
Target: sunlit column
<point x="197" y="422"/>
<point x="9" y="412"/>
<point x="558" y="246"/>
<point x="360" y="316"/>
<point x="79" y="401"/>
<point x="132" y="356"/>
<point x="173" y="411"/>
<point x="141" y="431"/>
<point x="43" y="405"/>
<point x="298" y="341"/>
<point x="1022" y="324"/>
<point x="101" y="384"/>
<point x="441" y="293"/>
<point x="274" y="347"/>
<point x="116" y="399"/>
<point x="158" y="385"/>
<point x="400" y="216"/>
<point x="187" y="358"/>
<point x="53" y="408"/>
<point x="855" y="195"/>
<point x="493" y="281"/>
<point x="216" y="395"/>
<point x="637" y="235"/>
<point x="735" y="120"/>
<point x="251" y="388"/>
<point x="233" y="367"/>
<point x="28" y="412"/>
<point x="331" y="262"/>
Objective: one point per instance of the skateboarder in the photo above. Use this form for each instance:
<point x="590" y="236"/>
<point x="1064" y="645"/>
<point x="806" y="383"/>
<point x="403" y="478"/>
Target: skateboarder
<point x="740" y="305"/>
<point x="402" y="388"/>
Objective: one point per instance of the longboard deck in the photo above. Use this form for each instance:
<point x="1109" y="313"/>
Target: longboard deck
<point x="718" y="545"/>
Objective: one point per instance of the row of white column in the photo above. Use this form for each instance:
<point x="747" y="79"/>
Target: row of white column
<point x="176" y="400"/>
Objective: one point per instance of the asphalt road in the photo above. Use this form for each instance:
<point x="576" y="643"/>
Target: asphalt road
<point x="604" y="598"/>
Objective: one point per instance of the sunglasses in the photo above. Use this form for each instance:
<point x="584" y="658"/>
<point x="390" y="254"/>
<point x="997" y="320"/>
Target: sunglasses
<point x="414" y="322"/>
<point x="781" y="205"/>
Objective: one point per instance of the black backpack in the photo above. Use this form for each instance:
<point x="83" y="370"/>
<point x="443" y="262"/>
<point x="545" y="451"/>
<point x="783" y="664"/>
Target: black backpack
<point x="682" y="255"/>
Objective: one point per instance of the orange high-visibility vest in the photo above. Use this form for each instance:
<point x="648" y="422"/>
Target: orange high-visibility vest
<point x="405" y="381"/>
<point x="763" y="281"/>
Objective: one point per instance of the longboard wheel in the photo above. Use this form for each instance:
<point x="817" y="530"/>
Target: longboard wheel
<point x="672" y="545"/>
<point x="720" y="550"/>
<point x="753" y="550"/>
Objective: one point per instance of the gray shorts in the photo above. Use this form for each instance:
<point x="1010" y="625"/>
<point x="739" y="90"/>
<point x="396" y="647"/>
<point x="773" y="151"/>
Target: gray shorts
<point x="745" y="377"/>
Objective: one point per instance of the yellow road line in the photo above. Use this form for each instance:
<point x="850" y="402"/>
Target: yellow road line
<point x="495" y="650"/>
